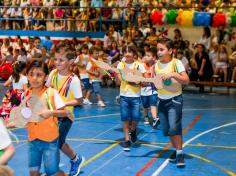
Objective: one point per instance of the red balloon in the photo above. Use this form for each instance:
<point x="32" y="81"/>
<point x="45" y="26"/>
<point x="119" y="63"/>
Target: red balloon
<point x="219" y="19"/>
<point x="5" y="71"/>
<point x="156" y="17"/>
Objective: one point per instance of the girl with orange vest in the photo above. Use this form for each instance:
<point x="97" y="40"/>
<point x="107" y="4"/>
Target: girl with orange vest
<point x="43" y="135"/>
<point x="170" y="97"/>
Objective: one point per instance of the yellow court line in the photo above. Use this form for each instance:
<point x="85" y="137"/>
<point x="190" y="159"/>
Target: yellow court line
<point x="215" y="164"/>
<point x="151" y="143"/>
<point x="100" y="153"/>
<point x="143" y="143"/>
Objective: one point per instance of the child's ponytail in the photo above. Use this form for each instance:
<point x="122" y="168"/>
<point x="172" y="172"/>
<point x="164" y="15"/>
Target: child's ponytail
<point x="17" y="68"/>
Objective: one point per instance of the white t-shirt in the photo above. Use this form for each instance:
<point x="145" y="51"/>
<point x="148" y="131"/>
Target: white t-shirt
<point x="75" y="85"/>
<point x="130" y="93"/>
<point x="4" y="136"/>
<point x="59" y="103"/>
<point x="20" y="84"/>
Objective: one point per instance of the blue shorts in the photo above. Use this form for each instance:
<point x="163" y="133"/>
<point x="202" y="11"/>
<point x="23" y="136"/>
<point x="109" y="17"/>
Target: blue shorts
<point x="130" y="108"/>
<point x="48" y="152"/>
<point x="64" y="127"/>
<point x="150" y="100"/>
<point x="96" y="87"/>
<point x="170" y="113"/>
<point x="86" y="83"/>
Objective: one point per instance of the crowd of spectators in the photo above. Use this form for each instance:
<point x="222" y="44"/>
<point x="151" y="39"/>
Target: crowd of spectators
<point x="91" y="15"/>
<point x="209" y="58"/>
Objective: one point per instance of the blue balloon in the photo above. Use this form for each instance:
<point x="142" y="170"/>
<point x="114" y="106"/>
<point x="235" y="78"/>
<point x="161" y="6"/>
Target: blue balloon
<point x="202" y="19"/>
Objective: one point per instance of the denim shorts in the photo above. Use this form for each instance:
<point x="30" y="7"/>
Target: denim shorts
<point x="48" y="152"/>
<point x="96" y="87"/>
<point x="64" y="127"/>
<point x="150" y="100"/>
<point x="130" y="108"/>
<point x="170" y="113"/>
<point x="86" y="83"/>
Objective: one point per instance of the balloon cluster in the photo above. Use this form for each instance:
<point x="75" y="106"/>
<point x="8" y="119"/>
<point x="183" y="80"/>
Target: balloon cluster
<point x="189" y="18"/>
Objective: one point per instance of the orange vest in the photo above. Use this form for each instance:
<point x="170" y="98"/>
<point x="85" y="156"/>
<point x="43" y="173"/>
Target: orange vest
<point x="83" y="60"/>
<point x="94" y="68"/>
<point x="47" y="129"/>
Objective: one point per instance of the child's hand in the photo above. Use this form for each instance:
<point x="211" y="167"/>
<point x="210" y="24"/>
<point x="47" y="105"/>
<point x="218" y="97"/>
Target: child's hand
<point x="46" y="113"/>
<point x="167" y="76"/>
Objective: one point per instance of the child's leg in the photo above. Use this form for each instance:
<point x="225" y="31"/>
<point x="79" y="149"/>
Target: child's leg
<point x="97" y="90"/>
<point x="51" y="157"/>
<point x="64" y="127"/>
<point x="87" y="87"/>
<point x="153" y="104"/>
<point x="154" y="111"/>
<point x="35" y="157"/>
<point x="126" y="130"/>
<point x="135" y="116"/>
<point x="145" y="104"/>
<point x="125" y="115"/>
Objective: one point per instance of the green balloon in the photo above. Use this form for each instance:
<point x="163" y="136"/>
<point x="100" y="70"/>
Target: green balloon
<point x="171" y="16"/>
<point x="1" y="152"/>
<point x="167" y="82"/>
<point x="233" y="20"/>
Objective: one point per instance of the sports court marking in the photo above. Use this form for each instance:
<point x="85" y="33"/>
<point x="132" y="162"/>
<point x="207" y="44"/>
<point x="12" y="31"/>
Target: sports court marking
<point x="205" y="160"/>
<point x="166" y="147"/>
<point x="165" y="163"/>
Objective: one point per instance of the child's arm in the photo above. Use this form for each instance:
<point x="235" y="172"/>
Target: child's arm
<point x="75" y="102"/>
<point x="8" y="152"/>
<point x="8" y="82"/>
<point x="53" y="113"/>
<point x="94" y="73"/>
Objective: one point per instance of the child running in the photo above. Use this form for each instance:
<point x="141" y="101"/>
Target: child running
<point x="171" y="103"/>
<point x="148" y="90"/>
<point x="69" y="88"/>
<point x="43" y="135"/>
<point x="130" y="98"/>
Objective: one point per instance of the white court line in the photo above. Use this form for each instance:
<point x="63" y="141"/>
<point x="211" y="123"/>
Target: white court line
<point x="108" y="161"/>
<point x="165" y="163"/>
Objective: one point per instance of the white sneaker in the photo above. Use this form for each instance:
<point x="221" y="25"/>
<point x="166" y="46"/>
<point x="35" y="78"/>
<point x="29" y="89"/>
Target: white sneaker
<point x="101" y="103"/>
<point x="87" y="102"/>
